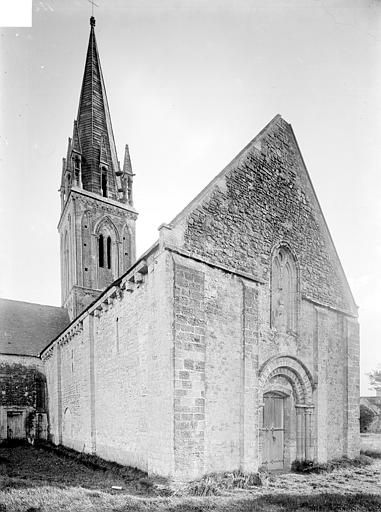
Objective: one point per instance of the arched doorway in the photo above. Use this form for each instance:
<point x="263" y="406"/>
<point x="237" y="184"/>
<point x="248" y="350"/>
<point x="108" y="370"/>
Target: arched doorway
<point x="285" y="413"/>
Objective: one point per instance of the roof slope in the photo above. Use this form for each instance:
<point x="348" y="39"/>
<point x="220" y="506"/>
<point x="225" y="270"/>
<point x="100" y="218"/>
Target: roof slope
<point x="26" y="328"/>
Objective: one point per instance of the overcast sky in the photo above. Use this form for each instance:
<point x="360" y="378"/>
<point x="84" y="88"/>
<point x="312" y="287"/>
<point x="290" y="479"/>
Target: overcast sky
<point x="189" y="84"/>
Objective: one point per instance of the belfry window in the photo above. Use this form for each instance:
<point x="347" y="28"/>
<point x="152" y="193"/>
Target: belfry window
<point x="77" y="169"/>
<point x="104" y="183"/>
<point x="108" y="252"/>
<point x="101" y="259"/>
<point x="284" y="288"/>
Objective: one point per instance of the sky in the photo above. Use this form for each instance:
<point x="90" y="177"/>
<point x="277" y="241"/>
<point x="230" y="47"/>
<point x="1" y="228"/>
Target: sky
<point x="189" y="84"/>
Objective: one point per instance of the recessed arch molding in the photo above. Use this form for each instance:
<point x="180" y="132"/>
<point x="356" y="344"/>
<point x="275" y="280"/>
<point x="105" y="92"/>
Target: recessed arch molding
<point x="294" y="371"/>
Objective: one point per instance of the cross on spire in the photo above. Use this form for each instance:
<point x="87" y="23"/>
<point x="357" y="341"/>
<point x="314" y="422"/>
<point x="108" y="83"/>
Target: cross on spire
<point x="92" y="19"/>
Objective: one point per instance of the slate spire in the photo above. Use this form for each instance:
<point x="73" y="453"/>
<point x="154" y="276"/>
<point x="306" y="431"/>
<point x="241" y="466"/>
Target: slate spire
<point x="92" y="152"/>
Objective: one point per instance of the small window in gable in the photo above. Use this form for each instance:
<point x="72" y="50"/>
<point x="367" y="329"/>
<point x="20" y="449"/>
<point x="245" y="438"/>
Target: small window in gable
<point x="284" y="287"/>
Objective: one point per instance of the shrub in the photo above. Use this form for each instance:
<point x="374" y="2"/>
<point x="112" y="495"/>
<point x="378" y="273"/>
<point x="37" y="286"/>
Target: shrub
<point x="366" y="418"/>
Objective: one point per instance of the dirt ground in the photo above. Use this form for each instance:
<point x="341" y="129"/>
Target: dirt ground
<point x="35" y="479"/>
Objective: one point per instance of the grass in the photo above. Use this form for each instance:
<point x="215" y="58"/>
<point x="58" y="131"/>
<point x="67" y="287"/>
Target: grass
<point x="374" y="454"/>
<point x="371" y="441"/>
<point x="311" y="467"/>
<point x="216" y="483"/>
<point x="49" y="479"/>
<point x="80" y="502"/>
<point x="23" y="466"/>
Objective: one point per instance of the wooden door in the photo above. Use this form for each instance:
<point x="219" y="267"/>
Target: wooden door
<point x="15" y="425"/>
<point x="273" y="432"/>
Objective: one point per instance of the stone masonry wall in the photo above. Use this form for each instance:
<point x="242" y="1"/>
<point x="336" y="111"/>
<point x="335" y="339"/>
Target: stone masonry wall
<point x="133" y="390"/>
<point x="222" y="337"/>
<point x="216" y="370"/>
<point x="110" y="375"/>
<point x="263" y="198"/>
<point x="189" y="376"/>
<point x="82" y="216"/>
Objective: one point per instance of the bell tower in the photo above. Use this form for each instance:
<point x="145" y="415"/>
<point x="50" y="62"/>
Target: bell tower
<point x="97" y="223"/>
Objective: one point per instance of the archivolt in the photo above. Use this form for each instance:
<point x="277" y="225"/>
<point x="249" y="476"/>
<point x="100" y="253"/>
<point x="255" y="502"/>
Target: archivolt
<point x="106" y="225"/>
<point x="294" y="371"/>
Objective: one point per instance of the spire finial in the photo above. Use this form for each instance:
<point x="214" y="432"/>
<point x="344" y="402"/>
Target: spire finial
<point x="92" y="19"/>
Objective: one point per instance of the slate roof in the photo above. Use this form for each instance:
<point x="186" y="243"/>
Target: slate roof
<point x="27" y="328"/>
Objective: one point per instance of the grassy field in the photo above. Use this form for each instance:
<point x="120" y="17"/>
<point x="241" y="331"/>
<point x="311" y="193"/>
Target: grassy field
<point x="40" y="480"/>
<point x="371" y="442"/>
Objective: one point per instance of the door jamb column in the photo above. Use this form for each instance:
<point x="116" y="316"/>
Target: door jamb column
<point x="300" y="441"/>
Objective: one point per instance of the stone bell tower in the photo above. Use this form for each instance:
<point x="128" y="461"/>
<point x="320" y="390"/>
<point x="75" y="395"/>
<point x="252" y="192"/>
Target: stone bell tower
<point x="97" y="223"/>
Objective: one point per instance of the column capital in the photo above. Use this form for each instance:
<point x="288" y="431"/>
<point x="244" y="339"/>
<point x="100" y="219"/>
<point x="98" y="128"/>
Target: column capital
<point x="305" y="406"/>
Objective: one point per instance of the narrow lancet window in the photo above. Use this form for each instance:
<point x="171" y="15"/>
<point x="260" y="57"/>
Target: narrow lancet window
<point x="108" y="252"/>
<point x="101" y="251"/>
<point x="284" y="288"/>
<point x="77" y="170"/>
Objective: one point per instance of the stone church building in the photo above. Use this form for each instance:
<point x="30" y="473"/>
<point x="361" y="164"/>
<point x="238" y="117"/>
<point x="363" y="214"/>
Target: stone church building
<point x="231" y="343"/>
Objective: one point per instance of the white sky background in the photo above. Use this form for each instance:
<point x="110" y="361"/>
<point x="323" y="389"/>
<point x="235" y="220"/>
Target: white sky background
<point x="189" y="84"/>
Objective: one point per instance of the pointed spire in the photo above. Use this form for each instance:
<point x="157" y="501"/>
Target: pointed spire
<point x="127" y="177"/>
<point x="127" y="167"/>
<point x="92" y="135"/>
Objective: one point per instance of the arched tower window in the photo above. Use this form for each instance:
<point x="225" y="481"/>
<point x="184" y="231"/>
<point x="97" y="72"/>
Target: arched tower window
<point x="104" y="182"/>
<point x="108" y="256"/>
<point x="284" y="287"/>
<point x="77" y="169"/>
<point x="101" y="259"/>
<point x="108" y="252"/>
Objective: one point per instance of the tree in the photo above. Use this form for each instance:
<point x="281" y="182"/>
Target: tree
<point x="375" y="379"/>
